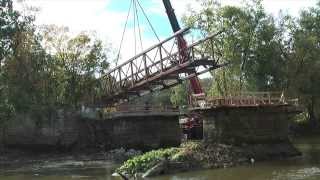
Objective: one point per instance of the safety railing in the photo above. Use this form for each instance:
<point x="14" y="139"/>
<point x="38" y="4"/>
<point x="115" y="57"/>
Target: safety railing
<point x="145" y="108"/>
<point x="251" y="99"/>
<point x="127" y="110"/>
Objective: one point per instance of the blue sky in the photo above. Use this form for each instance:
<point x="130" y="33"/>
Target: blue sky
<point x="158" y="21"/>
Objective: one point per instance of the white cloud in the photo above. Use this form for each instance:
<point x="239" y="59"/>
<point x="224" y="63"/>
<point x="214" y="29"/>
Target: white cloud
<point x="293" y="7"/>
<point x="92" y="15"/>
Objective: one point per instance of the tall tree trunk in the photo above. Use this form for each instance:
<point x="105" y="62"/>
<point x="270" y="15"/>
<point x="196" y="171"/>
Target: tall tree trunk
<point x="312" y="117"/>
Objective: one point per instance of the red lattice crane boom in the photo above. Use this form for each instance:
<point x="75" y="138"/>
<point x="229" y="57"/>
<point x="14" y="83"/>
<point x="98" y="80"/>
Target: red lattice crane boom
<point x="192" y="124"/>
<point x="182" y="45"/>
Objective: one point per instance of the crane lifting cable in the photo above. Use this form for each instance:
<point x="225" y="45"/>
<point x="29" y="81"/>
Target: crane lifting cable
<point x="159" y="68"/>
<point x="134" y="8"/>
<point x="123" y="33"/>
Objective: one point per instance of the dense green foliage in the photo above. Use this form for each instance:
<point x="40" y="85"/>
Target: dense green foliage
<point x="10" y="23"/>
<point x="78" y="61"/>
<point x="179" y="95"/>
<point x="250" y="41"/>
<point x="43" y="69"/>
<point x="143" y="162"/>
<point x="191" y="154"/>
<point x="303" y="54"/>
<point x="265" y="53"/>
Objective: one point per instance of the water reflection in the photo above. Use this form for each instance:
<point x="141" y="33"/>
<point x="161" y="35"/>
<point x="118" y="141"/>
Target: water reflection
<point x="299" y="174"/>
<point x="306" y="167"/>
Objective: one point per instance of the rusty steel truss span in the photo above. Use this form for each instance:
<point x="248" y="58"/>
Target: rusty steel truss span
<point x="160" y="67"/>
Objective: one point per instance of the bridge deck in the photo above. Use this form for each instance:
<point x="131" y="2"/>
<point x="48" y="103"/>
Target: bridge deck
<point x="249" y="99"/>
<point x="126" y="111"/>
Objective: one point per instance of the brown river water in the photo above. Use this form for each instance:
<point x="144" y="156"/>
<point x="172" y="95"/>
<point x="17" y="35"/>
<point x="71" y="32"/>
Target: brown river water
<point x="306" y="167"/>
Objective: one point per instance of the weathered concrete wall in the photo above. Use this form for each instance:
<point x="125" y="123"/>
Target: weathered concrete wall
<point x="139" y="132"/>
<point x="239" y="125"/>
<point x="48" y="132"/>
<point x="68" y="131"/>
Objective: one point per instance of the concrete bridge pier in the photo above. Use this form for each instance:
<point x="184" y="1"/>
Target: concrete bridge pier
<point x="143" y="129"/>
<point x="261" y="130"/>
<point x="247" y="124"/>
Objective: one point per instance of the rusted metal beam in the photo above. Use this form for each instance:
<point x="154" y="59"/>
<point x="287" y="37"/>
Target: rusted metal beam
<point x="151" y="69"/>
<point x="181" y="32"/>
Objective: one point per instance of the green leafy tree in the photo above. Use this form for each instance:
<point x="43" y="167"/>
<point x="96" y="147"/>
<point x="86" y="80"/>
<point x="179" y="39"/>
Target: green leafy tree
<point x="265" y="54"/>
<point x="249" y="42"/>
<point x="8" y="27"/>
<point x="12" y="23"/>
<point x="50" y="70"/>
<point x="80" y="61"/>
<point x="179" y="95"/>
<point x="26" y="74"/>
<point x="303" y="69"/>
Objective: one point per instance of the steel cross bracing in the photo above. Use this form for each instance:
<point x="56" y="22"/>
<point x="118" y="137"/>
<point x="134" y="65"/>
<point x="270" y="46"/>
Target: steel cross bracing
<point x="159" y="67"/>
